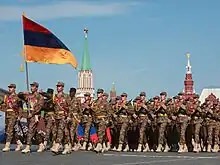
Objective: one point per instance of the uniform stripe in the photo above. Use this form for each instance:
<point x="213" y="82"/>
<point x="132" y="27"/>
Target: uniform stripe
<point x="33" y="26"/>
<point x="39" y="39"/>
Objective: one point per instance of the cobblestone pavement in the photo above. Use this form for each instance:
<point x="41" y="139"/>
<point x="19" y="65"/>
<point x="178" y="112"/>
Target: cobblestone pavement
<point x="109" y="158"/>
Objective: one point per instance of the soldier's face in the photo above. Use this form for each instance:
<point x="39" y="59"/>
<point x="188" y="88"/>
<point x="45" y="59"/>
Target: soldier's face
<point x="99" y="95"/>
<point x="105" y="97"/>
<point x="87" y="98"/>
<point x="156" y="100"/>
<point x="143" y="97"/>
<point x="59" y="88"/>
<point x="33" y="88"/>
<point x="163" y="97"/>
<point x="123" y="98"/>
<point x="11" y="90"/>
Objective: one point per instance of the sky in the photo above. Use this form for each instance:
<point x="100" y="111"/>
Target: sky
<point x="140" y="45"/>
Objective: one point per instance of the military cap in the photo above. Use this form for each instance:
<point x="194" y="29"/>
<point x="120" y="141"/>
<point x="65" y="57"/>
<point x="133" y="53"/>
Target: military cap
<point x="138" y="98"/>
<point x="12" y="86"/>
<point x="36" y="84"/>
<point x="87" y="94"/>
<point x="60" y="84"/>
<point x="175" y="97"/>
<point x="49" y="90"/>
<point x="142" y="94"/>
<point x="105" y="94"/>
<point x="72" y="89"/>
<point x="169" y="99"/>
<point x="124" y="94"/>
<point x="100" y="91"/>
<point x="118" y="98"/>
<point x="156" y="97"/>
<point x="163" y="93"/>
<point x="180" y="93"/>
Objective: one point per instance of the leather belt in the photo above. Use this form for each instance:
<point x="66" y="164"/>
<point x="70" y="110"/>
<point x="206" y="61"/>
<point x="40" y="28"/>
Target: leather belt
<point x="100" y="117"/>
<point x="123" y="116"/>
<point x="50" y="113"/>
<point x="9" y="110"/>
<point x="181" y="115"/>
<point x="142" y="115"/>
<point x="60" y="112"/>
<point x="161" y="115"/>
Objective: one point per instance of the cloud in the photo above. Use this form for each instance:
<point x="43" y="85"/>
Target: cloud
<point x="64" y="9"/>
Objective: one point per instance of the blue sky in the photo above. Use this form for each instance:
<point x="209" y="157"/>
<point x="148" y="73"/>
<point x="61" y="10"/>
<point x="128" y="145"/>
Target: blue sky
<point x="139" y="44"/>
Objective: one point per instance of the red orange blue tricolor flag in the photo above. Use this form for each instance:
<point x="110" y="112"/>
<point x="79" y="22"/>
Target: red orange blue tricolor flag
<point x="42" y="46"/>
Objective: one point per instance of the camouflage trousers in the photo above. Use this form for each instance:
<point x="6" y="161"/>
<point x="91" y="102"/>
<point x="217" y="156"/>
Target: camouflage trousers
<point x="32" y="127"/>
<point x="50" y="128"/>
<point x="123" y="122"/>
<point x="61" y="125"/>
<point x="212" y="131"/>
<point x="182" y="126"/>
<point x="142" y="124"/>
<point x="87" y="122"/>
<point x="70" y="131"/>
<point x="161" y="130"/>
<point x="10" y="123"/>
<point x="101" y="128"/>
<point x="197" y="126"/>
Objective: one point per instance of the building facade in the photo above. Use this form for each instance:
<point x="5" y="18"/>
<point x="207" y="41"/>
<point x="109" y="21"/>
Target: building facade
<point x="85" y="75"/>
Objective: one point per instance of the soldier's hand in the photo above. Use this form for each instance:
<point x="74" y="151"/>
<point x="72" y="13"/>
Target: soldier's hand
<point x="115" y="115"/>
<point x="134" y="115"/>
<point x="68" y="119"/>
<point x="189" y="118"/>
<point x="174" y="117"/>
<point x="29" y="115"/>
<point x="19" y="118"/>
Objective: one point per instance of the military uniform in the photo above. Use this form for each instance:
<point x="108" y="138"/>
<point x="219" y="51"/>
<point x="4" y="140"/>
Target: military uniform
<point x="35" y="103"/>
<point x="123" y="117"/>
<point x="62" y="107"/>
<point x="12" y="107"/>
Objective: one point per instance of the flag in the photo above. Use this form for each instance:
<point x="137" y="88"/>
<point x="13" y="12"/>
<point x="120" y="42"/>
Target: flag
<point x="41" y="45"/>
<point x="92" y="133"/>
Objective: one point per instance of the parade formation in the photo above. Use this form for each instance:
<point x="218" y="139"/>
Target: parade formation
<point x="159" y="124"/>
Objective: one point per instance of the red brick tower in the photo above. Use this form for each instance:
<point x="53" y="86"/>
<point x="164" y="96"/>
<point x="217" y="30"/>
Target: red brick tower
<point x="188" y="82"/>
<point x="113" y="92"/>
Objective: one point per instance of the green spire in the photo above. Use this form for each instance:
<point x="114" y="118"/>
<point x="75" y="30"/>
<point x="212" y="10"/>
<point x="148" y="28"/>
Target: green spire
<point x="86" y="60"/>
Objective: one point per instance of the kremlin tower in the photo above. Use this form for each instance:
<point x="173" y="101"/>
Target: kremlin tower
<point x="85" y="75"/>
<point x="113" y="92"/>
<point x="188" y="82"/>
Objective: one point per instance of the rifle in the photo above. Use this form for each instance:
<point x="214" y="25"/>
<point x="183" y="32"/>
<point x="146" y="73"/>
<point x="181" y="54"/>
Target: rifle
<point x="122" y="106"/>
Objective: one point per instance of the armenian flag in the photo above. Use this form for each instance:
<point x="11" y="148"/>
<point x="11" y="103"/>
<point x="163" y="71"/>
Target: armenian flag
<point x="42" y="46"/>
<point x="92" y="133"/>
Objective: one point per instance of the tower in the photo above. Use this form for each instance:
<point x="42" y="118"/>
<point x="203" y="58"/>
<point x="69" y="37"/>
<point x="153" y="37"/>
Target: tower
<point x="188" y="82"/>
<point x="113" y="92"/>
<point x="85" y="75"/>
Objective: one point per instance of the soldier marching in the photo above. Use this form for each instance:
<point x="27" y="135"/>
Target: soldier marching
<point x="163" y="124"/>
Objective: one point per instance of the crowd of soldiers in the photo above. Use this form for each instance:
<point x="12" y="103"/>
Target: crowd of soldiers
<point x="159" y="124"/>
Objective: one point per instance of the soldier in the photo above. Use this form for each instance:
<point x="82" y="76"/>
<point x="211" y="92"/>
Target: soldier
<point x="35" y="103"/>
<point x="87" y="119"/>
<point x="143" y="97"/>
<point x="162" y="121"/>
<point x="49" y="116"/>
<point x="62" y="107"/>
<point x="101" y="117"/>
<point x="142" y="114"/>
<point x="123" y="115"/>
<point x="12" y="107"/>
<point x="75" y="116"/>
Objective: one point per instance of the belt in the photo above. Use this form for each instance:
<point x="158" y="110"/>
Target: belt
<point x="9" y="110"/>
<point x="181" y="115"/>
<point x="196" y="117"/>
<point x="142" y="115"/>
<point x="160" y="114"/>
<point x="100" y="116"/>
<point x="60" y="112"/>
<point x="74" y="114"/>
<point x="50" y="113"/>
<point x="87" y="115"/>
<point x="123" y="116"/>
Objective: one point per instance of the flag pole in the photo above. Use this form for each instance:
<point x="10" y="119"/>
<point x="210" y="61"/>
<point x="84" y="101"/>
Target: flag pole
<point x="26" y="64"/>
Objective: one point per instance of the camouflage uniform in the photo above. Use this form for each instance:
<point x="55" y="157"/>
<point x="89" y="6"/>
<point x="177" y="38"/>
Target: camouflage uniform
<point x="36" y="103"/>
<point x="101" y="118"/>
<point x="62" y="107"/>
<point x="123" y="117"/>
<point x="12" y="107"/>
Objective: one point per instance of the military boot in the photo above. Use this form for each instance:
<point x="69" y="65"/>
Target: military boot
<point x="77" y="146"/>
<point x="139" y="148"/>
<point x="41" y="147"/>
<point x="181" y="148"/>
<point x="159" y="148"/>
<point x="167" y="148"/>
<point x="146" y="149"/>
<point x="119" y="149"/>
<point x="215" y="148"/>
<point x="185" y="148"/>
<point x="56" y="148"/>
<point x="209" y="148"/>
<point x="114" y="149"/>
<point x="53" y="145"/>
<point x="98" y="147"/>
<point x="19" y="146"/>
<point x="104" y="148"/>
<point x="84" y="146"/>
<point x="27" y="149"/>
<point x="7" y="147"/>
<point x="66" y="149"/>
<point x="195" y="149"/>
<point x="126" y="148"/>
<point x="90" y="147"/>
<point x="108" y="146"/>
